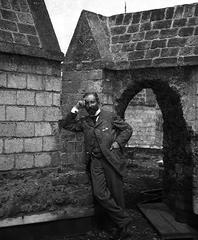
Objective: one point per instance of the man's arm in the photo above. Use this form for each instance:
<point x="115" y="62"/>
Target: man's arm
<point x="70" y="122"/>
<point x="124" y="131"/>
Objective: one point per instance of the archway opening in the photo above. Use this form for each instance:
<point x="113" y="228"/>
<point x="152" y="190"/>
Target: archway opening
<point x="177" y="155"/>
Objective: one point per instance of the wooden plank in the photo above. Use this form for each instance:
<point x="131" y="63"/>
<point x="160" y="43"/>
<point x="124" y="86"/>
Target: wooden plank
<point x="67" y="213"/>
<point x="161" y="218"/>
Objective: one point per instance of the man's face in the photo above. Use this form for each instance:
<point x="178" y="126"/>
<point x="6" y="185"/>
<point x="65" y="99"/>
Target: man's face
<point x="91" y="104"/>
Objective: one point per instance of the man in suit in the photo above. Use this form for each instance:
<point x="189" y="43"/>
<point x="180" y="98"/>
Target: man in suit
<point x="105" y="136"/>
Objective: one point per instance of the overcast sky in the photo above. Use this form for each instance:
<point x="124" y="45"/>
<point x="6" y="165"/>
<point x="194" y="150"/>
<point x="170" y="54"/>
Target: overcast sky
<point x="64" y="14"/>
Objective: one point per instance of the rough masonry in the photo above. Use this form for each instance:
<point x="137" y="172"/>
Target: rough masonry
<point x="125" y="56"/>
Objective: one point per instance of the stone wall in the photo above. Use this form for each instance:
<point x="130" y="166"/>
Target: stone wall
<point x="161" y="37"/>
<point x="17" y="24"/>
<point x="147" y="126"/>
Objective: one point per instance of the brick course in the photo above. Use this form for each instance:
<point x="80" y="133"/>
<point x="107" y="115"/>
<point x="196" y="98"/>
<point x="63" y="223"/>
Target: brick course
<point x="177" y="26"/>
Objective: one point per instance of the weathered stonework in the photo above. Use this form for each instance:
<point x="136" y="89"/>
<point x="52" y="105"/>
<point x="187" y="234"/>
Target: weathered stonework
<point x="153" y="50"/>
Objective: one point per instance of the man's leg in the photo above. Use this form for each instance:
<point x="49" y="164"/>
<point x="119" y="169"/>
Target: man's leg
<point x="104" y="196"/>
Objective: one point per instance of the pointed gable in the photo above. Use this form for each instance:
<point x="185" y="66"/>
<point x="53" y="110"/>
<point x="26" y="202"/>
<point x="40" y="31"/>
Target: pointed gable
<point x="90" y="41"/>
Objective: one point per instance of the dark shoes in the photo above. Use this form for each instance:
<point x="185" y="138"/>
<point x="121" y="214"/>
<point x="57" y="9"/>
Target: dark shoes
<point x="126" y="232"/>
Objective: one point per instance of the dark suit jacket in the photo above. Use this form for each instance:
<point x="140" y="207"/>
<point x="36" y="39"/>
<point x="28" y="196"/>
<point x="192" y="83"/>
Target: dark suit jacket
<point x="108" y="128"/>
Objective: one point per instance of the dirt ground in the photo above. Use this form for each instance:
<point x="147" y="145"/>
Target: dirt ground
<point x="143" y="175"/>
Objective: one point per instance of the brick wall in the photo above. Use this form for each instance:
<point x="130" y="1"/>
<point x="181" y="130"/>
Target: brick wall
<point x="17" y="24"/>
<point x="29" y="104"/>
<point x="161" y="37"/>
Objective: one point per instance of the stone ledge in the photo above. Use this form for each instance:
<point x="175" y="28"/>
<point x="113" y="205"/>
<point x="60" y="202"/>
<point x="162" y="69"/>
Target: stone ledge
<point x="66" y="213"/>
<point x="30" y="51"/>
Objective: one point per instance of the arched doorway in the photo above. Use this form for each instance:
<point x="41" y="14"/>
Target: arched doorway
<point x="177" y="176"/>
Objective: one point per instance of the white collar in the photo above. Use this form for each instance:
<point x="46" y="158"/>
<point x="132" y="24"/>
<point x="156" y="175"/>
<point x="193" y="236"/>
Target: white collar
<point x="97" y="112"/>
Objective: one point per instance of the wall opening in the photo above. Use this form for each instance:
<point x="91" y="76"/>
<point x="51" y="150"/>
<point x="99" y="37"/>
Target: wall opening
<point x="177" y="154"/>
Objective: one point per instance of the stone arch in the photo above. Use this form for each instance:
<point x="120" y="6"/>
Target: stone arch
<point x="177" y="153"/>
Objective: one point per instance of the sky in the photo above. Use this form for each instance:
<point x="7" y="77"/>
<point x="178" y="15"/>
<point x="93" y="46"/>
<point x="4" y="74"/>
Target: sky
<point x="64" y="14"/>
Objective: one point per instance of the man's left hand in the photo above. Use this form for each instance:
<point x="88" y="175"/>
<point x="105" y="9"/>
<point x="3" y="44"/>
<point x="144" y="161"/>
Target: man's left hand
<point x="114" y="145"/>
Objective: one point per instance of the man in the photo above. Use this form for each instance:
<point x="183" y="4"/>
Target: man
<point x="105" y="136"/>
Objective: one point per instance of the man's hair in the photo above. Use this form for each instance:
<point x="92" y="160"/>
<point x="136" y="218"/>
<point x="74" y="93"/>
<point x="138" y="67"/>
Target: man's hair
<point x="94" y="94"/>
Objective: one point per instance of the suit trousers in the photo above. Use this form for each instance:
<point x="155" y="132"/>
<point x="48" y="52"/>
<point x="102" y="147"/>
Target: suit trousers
<point x="108" y="190"/>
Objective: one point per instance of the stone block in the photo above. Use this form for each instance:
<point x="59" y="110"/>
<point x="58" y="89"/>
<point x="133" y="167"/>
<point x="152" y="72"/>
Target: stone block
<point x="162" y="24"/>
<point x="27" y="29"/>
<point x="24" y="129"/>
<point x="35" y="82"/>
<point x="9" y="15"/>
<point x="25" y="18"/>
<point x="186" y="31"/>
<point x="23" y="161"/>
<point x="165" y="62"/>
<point x="24" y="6"/>
<point x="185" y="51"/>
<point x="152" y="53"/>
<point x="153" y="34"/>
<point x="1" y="145"/>
<point x="124" y="38"/>
<point x="6" y="4"/>
<point x="136" y="17"/>
<point x="143" y="45"/>
<point x="43" y="129"/>
<point x="168" y="33"/>
<point x="91" y="86"/>
<point x="52" y="114"/>
<point x="15" y="113"/>
<point x="56" y="99"/>
<point x="42" y="160"/>
<point x="136" y="55"/>
<point x="141" y="63"/>
<point x="118" y="30"/>
<point x="44" y="99"/>
<point x="158" y="14"/>
<point x="145" y="26"/>
<point x="20" y="38"/>
<point x="193" y="21"/>
<point x="5" y="36"/>
<point x="16" y="80"/>
<point x="7" y="129"/>
<point x="188" y="10"/>
<point x="49" y="143"/>
<point x="115" y="39"/>
<point x="3" y="79"/>
<point x="33" y="144"/>
<point x="179" y="22"/>
<point x="146" y="16"/>
<point x="177" y="42"/>
<point x="138" y="36"/>
<point x="33" y="40"/>
<point x="35" y="113"/>
<point x="53" y="84"/>
<point x="169" y="13"/>
<point x="6" y="162"/>
<point x="169" y="52"/>
<point x="25" y="98"/>
<point x="15" y="5"/>
<point x="2" y="113"/>
<point x="7" y="97"/>
<point x="133" y="28"/>
<point x="192" y="41"/>
<point x="13" y="145"/>
<point x="8" y="25"/>
<point x="179" y="12"/>
<point x="128" y="47"/>
<point x="119" y="19"/>
<point x="127" y="18"/>
<point x="158" y="44"/>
